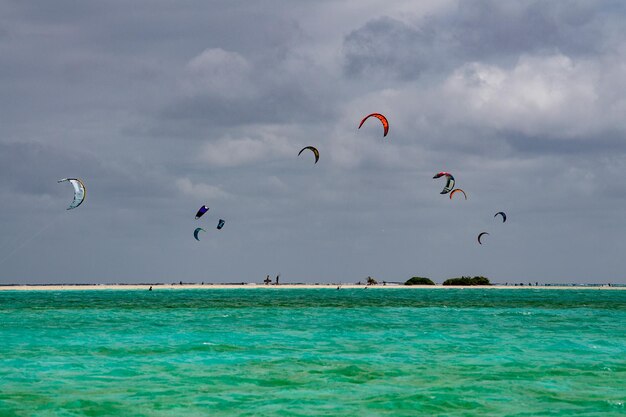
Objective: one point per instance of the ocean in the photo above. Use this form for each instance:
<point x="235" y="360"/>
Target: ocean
<point x="313" y="352"/>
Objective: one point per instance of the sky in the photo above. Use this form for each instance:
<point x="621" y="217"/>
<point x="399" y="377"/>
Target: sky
<point x="161" y="107"/>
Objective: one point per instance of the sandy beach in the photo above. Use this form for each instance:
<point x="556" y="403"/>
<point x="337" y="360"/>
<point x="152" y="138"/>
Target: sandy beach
<point x="155" y="287"/>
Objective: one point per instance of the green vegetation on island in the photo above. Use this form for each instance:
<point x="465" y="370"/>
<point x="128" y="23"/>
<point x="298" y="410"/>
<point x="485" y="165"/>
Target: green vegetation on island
<point x="419" y="281"/>
<point x="467" y="281"/>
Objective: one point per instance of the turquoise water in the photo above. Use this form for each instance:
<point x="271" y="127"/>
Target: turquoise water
<point x="318" y="352"/>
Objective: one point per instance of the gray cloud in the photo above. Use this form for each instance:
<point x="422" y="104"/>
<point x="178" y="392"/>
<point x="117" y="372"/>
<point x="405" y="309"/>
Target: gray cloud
<point x="487" y="28"/>
<point x="163" y="107"/>
<point x="222" y="89"/>
<point x="385" y="44"/>
<point x="482" y="30"/>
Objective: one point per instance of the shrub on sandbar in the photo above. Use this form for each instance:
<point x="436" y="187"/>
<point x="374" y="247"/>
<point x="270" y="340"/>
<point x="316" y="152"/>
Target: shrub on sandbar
<point x="467" y="281"/>
<point x="419" y="281"/>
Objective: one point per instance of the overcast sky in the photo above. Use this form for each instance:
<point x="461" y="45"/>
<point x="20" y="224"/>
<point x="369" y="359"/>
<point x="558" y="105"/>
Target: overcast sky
<point x="161" y="106"/>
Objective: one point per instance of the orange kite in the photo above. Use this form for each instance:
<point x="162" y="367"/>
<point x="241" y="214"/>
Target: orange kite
<point x="380" y="117"/>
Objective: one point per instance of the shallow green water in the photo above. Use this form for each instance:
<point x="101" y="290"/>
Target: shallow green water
<point x="314" y="352"/>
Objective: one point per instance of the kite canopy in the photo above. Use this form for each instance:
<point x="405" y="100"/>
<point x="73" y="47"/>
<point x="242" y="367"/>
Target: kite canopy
<point x="201" y="212"/>
<point x="503" y="214"/>
<point x="458" y="190"/>
<point x="449" y="183"/>
<point x="312" y="149"/>
<point x="481" y="235"/>
<point x="380" y="117"/>
<point x="220" y="224"/>
<point x="195" y="233"/>
<point x="80" y="191"/>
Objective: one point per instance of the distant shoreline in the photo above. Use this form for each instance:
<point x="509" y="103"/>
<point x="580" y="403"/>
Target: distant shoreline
<point x="156" y="287"/>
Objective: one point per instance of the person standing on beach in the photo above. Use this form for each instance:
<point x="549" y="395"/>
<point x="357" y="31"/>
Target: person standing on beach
<point x="277" y="276"/>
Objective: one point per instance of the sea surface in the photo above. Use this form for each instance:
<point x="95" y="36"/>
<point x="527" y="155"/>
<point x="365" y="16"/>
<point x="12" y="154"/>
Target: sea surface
<point x="313" y="352"/>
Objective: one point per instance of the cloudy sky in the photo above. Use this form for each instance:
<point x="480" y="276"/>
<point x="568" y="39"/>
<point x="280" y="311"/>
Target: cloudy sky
<point x="163" y="106"/>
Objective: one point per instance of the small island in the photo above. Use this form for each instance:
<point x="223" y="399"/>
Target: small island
<point x="419" y="281"/>
<point x="467" y="281"/>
